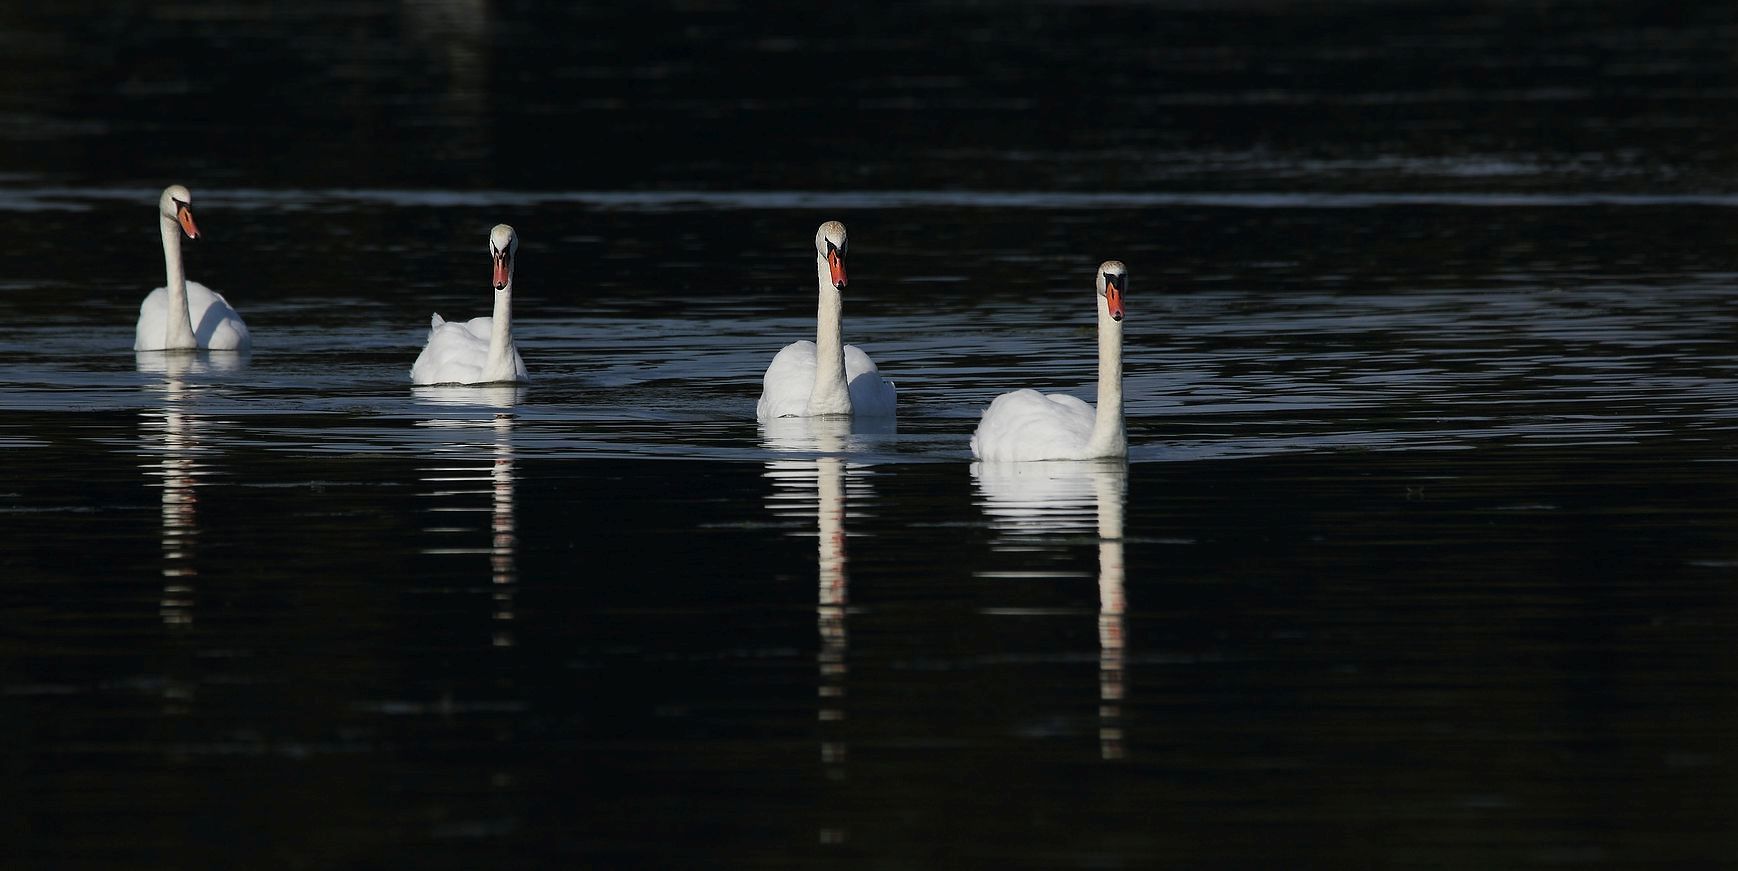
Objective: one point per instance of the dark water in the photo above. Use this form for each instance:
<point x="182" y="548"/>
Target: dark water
<point x="1424" y="553"/>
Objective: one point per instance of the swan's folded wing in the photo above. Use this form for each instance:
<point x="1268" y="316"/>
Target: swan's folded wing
<point x="153" y="321"/>
<point x="1028" y="425"/>
<point x="452" y="356"/>
<point x="857" y="362"/>
<point x="871" y="394"/>
<point x="788" y="381"/>
<point x="479" y="328"/>
<point x="216" y="323"/>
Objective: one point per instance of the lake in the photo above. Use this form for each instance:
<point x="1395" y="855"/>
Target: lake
<point x="1425" y="552"/>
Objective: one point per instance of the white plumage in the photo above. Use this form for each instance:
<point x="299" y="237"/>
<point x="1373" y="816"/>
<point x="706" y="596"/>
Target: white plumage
<point x="480" y="350"/>
<point x="457" y="352"/>
<point x="1026" y="425"/>
<point x="185" y="315"/>
<point x="790" y="379"/>
<point x="826" y="376"/>
<point x="215" y="324"/>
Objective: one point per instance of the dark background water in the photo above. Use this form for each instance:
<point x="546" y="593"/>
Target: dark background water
<point x="1424" y="554"/>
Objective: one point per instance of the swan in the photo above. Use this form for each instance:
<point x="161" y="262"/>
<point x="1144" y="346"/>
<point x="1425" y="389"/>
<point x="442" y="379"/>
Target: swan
<point x="479" y="351"/>
<point x="825" y="376"/>
<point x="185" y="315"/>
<point x="1028" y="425"/>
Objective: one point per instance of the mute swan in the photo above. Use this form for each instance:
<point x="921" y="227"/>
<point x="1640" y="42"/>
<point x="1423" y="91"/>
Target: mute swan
<point x="479" y="351"/>
<point x="1028" y="425"/>
<point x="825" y="376"/>
<point x="185" y="315"/>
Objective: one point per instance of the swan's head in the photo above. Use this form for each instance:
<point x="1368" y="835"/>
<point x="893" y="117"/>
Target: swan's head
<point x="1112" y="284"/>
<point x="503" y="244"/>
<point x="176" y="205"/>
<point x="830" y="245"/>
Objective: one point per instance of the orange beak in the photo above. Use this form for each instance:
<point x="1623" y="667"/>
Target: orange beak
<point x="185" y="216"/>
<point x="500" y="271"/>
<point x="1113" y="300"/>
<point x="836" y="262"/>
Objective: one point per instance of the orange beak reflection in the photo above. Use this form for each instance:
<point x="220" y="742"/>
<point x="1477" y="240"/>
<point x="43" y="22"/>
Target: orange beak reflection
<point x="500" y="271"/>
<point x="185" y="216"/>
<point x="836" y="262"/>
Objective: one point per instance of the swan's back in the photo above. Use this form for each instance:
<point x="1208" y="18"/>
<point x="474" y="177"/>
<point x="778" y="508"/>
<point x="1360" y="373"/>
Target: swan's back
<point x="457" y="352"/>
<point x="871" y="395"/>
<point x="1027" y="425"/>
<point x="790" y="379"/>
<point x="216" y="324"/>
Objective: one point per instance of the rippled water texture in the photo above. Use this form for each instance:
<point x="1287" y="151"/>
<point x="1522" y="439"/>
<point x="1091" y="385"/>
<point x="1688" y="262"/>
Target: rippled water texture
<point x="1423" y="554"/>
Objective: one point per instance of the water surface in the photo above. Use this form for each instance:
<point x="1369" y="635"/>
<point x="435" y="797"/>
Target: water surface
<point x="1423" y="553"/>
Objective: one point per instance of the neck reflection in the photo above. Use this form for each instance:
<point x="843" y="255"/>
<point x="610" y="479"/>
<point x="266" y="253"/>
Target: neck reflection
<point x="173" y="433"/>
<point x="177" y="467"/>
<point x="503" y="567"/>
<point x="1110" y="490"/>
<point x="475" y="459"/>
<point x="819" y="484"/>
<point x="1025" y="501"/>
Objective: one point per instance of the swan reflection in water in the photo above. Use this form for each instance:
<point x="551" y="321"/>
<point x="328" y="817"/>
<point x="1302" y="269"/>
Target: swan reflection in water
<point x="819" y="485"/>
<point x="173" y="433"/>
<point x="463" y="460"/>
<point x="1071" y="497"/>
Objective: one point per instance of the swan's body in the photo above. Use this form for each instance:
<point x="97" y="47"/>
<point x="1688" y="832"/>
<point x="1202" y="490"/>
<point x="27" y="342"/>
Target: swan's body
<point x="1027" y="425"/>
<point x="481" y="350"/>
<point x="826" y="376"/>
<point x="790" y="383"/>
<point x="185" y="315"/>
<point x="458" y="352"/>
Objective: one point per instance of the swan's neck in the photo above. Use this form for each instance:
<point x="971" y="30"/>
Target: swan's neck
<point x="179" y="333"/>
<point x="1108" y="438"/>
<point x="499" y="366"/>
<point x="830" y="394"/>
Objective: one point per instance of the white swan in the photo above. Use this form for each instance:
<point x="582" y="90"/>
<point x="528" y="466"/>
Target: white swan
<point x="825" y="376"/>
<point x="1028" y="425"/>
<point x="479" y="351"/>
<point x="185" y="315"/>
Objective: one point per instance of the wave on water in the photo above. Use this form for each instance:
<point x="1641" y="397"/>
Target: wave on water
<point x="38" y="198"/>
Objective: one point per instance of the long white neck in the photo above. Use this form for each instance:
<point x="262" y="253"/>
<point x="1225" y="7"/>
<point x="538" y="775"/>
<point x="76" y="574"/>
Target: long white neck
<point x="179" y="334"/>
<point x="1108" y="438"/>
<point x="499" y="366"/>
<point x="830" y="394"/>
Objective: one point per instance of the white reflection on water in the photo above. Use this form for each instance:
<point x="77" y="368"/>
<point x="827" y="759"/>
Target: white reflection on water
<point x="819" y="483"/>
<point x="180" y="364"/>
<point x="503" y="570"/>
<point x="176" y="466"/>
<point x="179" y="449"/>
<point x="1062" y="497"/>
<point x="463" y="461"/>
<point x="474" y="397"/>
